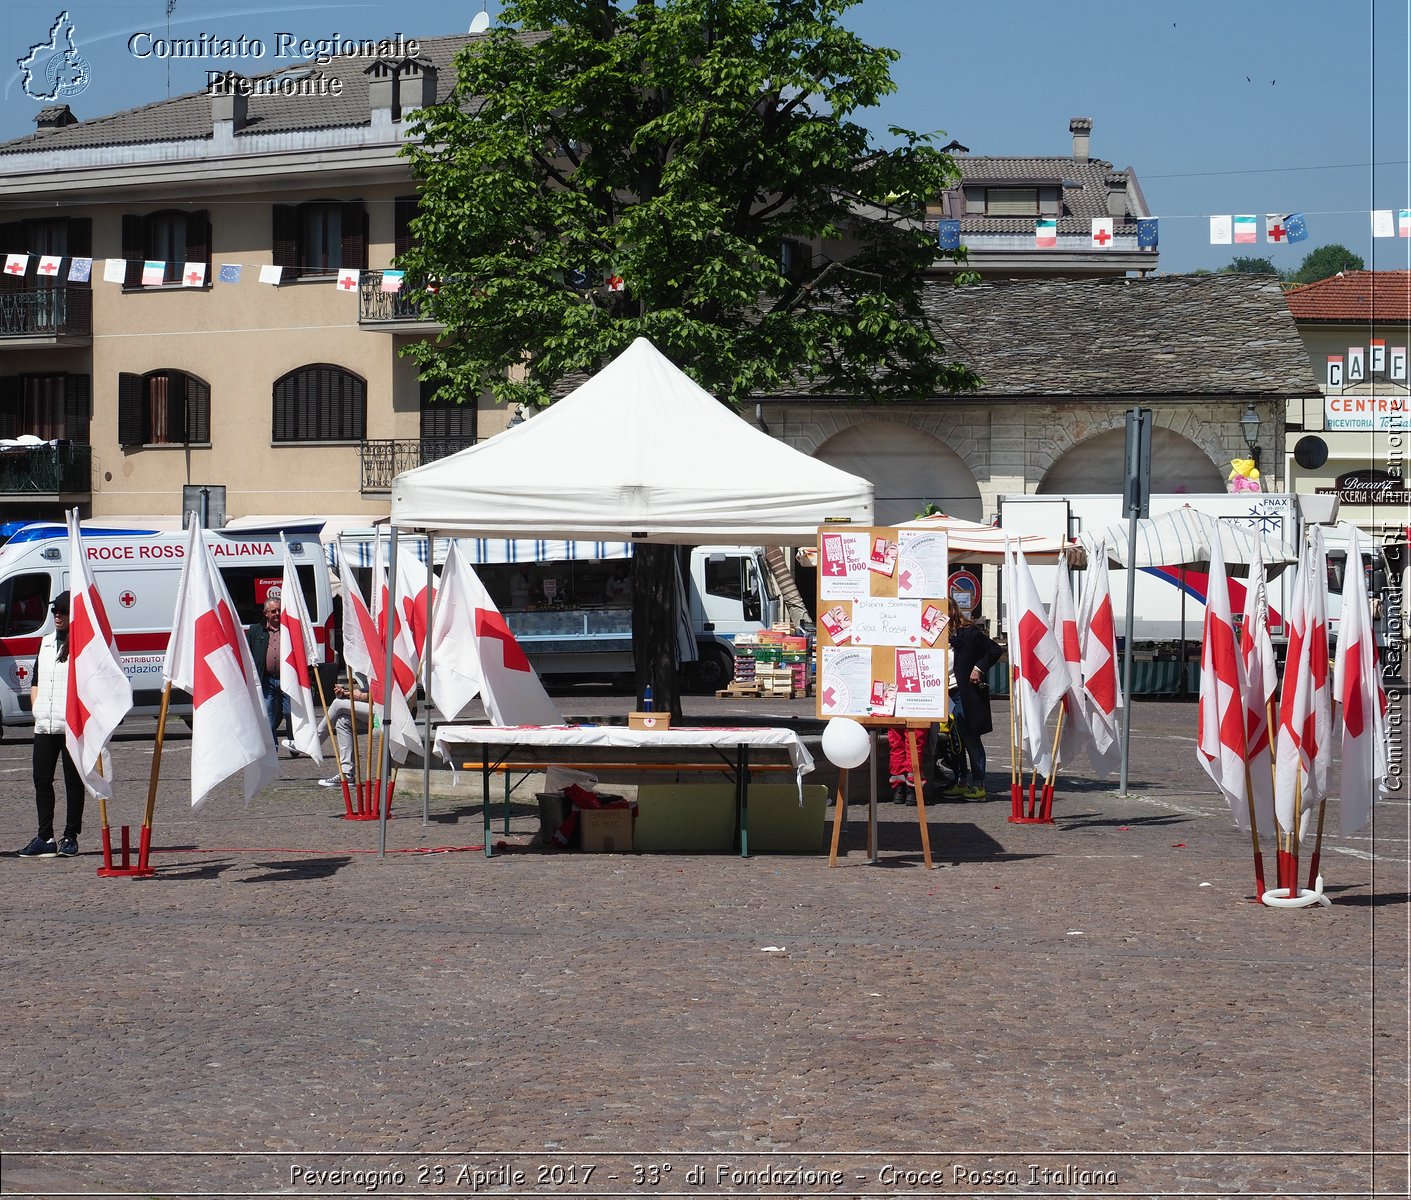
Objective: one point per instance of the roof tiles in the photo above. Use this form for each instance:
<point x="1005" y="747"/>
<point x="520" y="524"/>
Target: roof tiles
<point x="1354" y="296"/>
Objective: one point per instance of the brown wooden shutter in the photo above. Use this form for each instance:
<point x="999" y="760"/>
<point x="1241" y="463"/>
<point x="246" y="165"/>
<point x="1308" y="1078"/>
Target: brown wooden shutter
<point x="134" y="249"/>
<point x="132" y="410"/>
<point x="354" y="226"/>
<point x="78" y="408"/>
<point x="285" y="243"/>
<point x="11" y="405"/>
<point x="13" y="240"/>
<point x="198" y="410"/>
<point x="404" y="211"/>
<point x="198" y="239"/>
<point x="80" y="244"/>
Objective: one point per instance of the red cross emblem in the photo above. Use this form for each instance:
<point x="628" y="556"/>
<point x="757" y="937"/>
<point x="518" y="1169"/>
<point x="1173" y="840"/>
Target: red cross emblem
<point x="830" y="698"/>
<point x="491" y="624"/>
<point x="347" y="283"/>
<point x="21" y="672"/>
<point x="48" y="268"/>
<point x="194" y="278"/>
<point x="1276" y="233"/>
<point x="1102" y="237"/>
<point x="127" y="599"/>
<point x="15" y="268"/>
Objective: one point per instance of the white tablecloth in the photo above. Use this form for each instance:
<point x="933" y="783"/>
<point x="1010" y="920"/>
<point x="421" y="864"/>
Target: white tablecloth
<point x="622" y="738"/>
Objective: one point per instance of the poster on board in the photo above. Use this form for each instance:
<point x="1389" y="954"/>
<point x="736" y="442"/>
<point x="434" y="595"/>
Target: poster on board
<point x="883" y="644"/>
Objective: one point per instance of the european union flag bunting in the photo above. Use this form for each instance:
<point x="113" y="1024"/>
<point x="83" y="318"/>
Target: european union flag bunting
<point x="948" y="235"/>
<point x="230" y="273"/>
<point x="1296" y="228"/>
<point x="1147" y="233"/>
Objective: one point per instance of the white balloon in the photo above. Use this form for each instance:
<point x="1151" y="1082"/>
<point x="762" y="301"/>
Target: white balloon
<point x="845" y="743"/>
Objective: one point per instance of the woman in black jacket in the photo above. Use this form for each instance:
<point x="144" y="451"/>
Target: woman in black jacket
<point x="973" y="653"/>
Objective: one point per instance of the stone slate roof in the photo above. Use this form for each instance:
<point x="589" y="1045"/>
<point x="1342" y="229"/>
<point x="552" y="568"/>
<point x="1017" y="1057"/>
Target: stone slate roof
<point x="189" y="116"/>
<point x="1354" y="296"/>
<point x="1166" y="336"/>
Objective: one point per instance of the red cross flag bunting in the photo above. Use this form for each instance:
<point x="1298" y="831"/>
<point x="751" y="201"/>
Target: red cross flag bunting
<point x="1102" y="233"/>
<point x="1274" y="230"/>
<point x="193" y="275"/>
<point x="348" y="280"/>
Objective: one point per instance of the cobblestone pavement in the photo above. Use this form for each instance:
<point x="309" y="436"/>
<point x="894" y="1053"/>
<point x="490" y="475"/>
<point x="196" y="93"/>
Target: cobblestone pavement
<point x="1094" y="1006"/>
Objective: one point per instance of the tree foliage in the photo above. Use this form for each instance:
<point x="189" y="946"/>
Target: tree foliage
<point x="1244" y="265"/>
<point x="677" y="146"/>
<point x="1325" y="262"/>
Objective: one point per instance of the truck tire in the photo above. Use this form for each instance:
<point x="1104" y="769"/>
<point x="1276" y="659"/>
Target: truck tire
<point x="713" y="670"/>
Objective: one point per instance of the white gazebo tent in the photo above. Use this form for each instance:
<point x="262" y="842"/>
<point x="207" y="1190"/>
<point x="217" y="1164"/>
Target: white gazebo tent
<point x="640" y="452"/>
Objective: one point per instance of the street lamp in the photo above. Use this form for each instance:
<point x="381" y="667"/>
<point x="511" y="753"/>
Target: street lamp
<point x="1249" y="426"/>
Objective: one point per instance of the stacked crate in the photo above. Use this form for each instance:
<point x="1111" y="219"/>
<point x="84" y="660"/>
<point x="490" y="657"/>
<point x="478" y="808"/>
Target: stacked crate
<point x="770" y="663"/>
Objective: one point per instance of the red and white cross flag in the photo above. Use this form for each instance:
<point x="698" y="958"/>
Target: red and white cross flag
<point x="366" y="655"/>
<point x="1357" y="686"/>
<point x="1261" y="680"/>
<point x="1221" y="736"/>
<point x="348" y="279"/>
<point x="1305" y="712"/>
<point x="413" y="578"/>
<point x="209" y="657"/>
<point x="99" y="693"/>
<point x="49" y="265"/>
<point x="473" y="653"/>
<point x="1063" y="617"/>
<point x="1102" y="233"/>
<point x="1042" y="674"/>
<point x="404" y="655"/>
<point x="297" y="652"/>
<point x="16" y="264"/>
<point x="1102" y="689"/>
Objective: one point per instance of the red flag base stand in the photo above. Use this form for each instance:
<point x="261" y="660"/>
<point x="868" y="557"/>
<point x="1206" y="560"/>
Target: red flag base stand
<point x="1040" y="807"/>
<point x="125" y="867"/>
<point x="365" y="807"/>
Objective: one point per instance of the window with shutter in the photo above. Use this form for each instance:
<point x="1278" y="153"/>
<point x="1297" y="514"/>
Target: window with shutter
<point x="78" y="408"/>
<point x="163" y="408"/>
<point x="320" y="403"/>
<point x="172" y="237"/>
<point x="10" y="407"/>
<point x="131" y="422"/>
<point x="133" y="250"/>
<point x="1012" y="202"/>
<point x="445" y="420"/>
<point x="285" y="243"/>
<point x="404" y="212"/>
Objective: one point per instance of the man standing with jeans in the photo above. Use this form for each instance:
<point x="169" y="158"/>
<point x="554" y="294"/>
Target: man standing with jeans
<point x="48" y="697"/>
<point x="263" y="636"/>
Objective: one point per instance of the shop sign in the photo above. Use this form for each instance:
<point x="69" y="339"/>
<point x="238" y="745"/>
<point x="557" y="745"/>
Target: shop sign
<point x="1380" y="413"/>
<point x="1368" y="487"/>
<point x="1353" y="369"/>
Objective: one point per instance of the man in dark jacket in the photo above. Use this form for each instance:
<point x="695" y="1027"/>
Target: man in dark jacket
<point x="263" y="636"/>
<point x="973" y="653"/>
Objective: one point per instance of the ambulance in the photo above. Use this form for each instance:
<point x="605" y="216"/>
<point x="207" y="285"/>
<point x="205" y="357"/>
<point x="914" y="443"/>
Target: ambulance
<point x="137" y="571"/>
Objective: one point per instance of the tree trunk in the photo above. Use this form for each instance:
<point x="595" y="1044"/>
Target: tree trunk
<point x="654" y="626"/>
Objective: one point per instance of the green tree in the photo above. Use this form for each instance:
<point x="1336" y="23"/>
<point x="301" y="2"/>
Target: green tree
<point x="1325" y="262"/>
<point x="1242" y="265"/>
<point x="699" y="152"/>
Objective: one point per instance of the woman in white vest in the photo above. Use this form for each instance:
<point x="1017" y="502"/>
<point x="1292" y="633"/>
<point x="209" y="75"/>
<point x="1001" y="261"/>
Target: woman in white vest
<point x="48" y="696"/>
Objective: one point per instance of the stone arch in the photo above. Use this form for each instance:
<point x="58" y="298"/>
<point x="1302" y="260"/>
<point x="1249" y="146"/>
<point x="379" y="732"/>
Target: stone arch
<point x="908" y="467"/>
<point x="1095" y="465"/>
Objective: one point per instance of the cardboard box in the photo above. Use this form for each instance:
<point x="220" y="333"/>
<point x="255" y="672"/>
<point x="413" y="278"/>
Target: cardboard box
<point x="649" y="720"/>
<point x="606" y="830"/>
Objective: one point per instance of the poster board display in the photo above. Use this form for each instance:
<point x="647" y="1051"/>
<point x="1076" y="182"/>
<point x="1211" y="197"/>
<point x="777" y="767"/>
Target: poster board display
<point x="883" y="638"/>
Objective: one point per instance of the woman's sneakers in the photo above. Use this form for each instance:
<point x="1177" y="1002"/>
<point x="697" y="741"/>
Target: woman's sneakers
<point x="975" y="792"/>
<point x="41" y="848"/>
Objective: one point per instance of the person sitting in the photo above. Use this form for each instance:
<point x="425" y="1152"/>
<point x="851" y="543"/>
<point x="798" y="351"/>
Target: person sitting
<point x="341" y="714"/>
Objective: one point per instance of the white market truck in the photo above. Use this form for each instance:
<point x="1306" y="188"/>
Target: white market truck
<point x="569" y="604"/>
<point x="137" y="572"/>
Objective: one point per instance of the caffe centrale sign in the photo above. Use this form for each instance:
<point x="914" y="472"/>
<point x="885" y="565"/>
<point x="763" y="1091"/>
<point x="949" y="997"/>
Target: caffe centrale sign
<point x="1366" y="412"/>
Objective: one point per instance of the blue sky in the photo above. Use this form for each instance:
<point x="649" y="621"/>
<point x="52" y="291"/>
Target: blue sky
<point x="1220" y="108"/>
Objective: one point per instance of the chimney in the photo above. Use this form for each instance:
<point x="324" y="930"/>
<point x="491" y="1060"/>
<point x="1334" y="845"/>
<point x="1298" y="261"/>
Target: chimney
<point x="382" y="89"/>
<point x="228" y="103"/>
<point x="1081" y="128"/>
<point x="59" y="116"/>
<point x="1117" y="194"/>
<point x="416" y="83"/>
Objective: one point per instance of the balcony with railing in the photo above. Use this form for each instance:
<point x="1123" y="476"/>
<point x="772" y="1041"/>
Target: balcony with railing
<point x="384" y="459"/>
<point x="391" y="310"/>
<point x="46" y="316"/>
<point x="53" y="470"/>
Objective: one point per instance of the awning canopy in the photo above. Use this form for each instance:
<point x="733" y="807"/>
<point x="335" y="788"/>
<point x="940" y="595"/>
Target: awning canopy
<point x="1183" y="537"/>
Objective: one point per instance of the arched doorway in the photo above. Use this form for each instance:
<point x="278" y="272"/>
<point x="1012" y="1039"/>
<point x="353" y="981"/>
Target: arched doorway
<point x="1094" y="466"/>
<point x="908" y="469"/>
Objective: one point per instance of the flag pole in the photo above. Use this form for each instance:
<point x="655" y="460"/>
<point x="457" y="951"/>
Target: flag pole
<point x="1016" y="766"/>
<point x="1046" y="811"/>
<point x="1317" y="846"/>
<point x="144" y="845"/>
<point x="389" y="681"/>
<point x="426" y="677"/>
<point x="1259" y="888"/>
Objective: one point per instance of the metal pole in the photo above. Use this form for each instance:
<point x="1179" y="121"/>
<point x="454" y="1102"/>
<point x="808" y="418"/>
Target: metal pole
<point x="1127" y="660"/>
<point x="389" y="681"/>
<point x="426" y="679"/>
